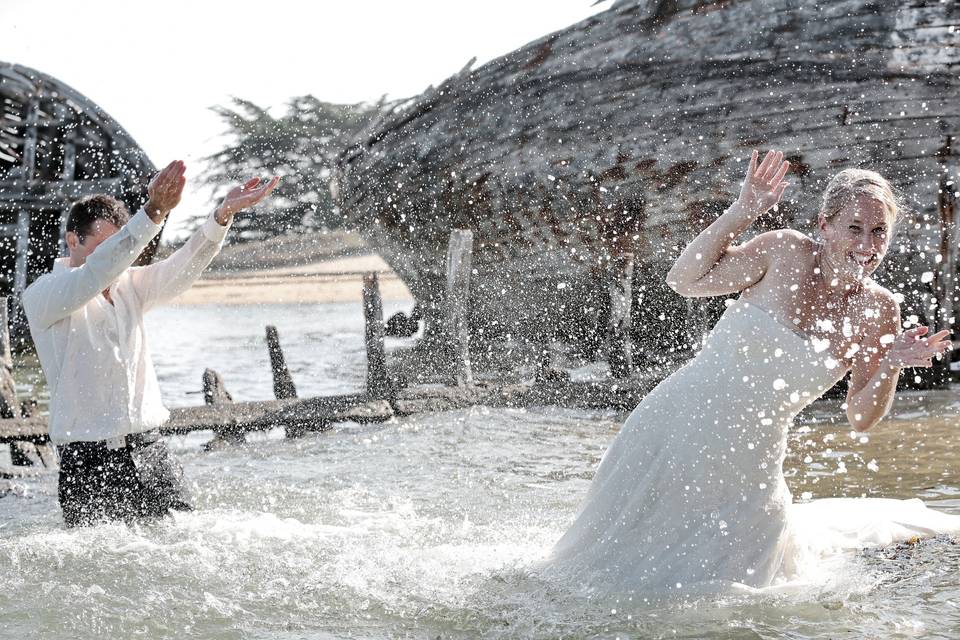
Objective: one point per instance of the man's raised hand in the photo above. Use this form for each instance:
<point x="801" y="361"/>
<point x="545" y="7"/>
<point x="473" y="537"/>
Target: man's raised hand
<point x="164" y="191"/>
<point x="246" y="195"/>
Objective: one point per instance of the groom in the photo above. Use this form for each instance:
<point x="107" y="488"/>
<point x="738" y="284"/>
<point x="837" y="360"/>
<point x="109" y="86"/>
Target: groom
<point x="86" y="319"/>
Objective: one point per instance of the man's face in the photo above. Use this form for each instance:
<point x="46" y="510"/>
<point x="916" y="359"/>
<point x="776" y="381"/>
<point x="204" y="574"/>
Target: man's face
<point x="99" y="231"/>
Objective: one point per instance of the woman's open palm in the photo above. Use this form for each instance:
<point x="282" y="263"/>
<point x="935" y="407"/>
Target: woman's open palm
<point x="763" y="186"/>
<point x="913" y="348"/>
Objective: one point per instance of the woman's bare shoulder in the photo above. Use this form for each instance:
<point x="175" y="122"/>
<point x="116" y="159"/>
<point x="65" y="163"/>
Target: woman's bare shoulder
<point x="887" y="301"/>
<point x="789" y="244"/>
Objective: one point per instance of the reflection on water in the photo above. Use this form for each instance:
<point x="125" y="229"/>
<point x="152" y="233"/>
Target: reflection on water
<point x="422" y="527"/>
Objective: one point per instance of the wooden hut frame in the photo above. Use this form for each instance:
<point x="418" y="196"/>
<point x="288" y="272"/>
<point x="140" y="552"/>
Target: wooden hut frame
<point x="55" y="146"/>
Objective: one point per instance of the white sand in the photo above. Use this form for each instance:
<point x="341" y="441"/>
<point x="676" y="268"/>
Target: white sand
<point x="339" y="280"/>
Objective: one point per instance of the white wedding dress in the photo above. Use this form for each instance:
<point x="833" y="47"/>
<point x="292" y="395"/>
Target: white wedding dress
<point x="690" y="494"/>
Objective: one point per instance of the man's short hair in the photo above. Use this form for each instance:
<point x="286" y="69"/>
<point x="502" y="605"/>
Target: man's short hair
<point x="86" y="211"/>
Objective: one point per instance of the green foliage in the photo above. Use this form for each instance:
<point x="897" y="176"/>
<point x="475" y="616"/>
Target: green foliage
<point x="300" y="146"/>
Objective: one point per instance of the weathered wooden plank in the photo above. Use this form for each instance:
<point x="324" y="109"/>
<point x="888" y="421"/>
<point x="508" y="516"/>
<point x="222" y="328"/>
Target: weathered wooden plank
<point x="239" y="417"/>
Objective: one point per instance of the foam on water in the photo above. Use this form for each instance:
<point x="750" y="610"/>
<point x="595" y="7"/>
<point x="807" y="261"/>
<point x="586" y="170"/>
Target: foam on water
<point x="428" y="526"/>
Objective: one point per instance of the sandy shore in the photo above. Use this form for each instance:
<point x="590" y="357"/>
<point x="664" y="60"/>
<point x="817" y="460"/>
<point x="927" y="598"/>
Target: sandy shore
<point x="336" y="280"/>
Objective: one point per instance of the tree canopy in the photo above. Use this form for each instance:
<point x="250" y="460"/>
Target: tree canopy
<point x="300" y="146"/>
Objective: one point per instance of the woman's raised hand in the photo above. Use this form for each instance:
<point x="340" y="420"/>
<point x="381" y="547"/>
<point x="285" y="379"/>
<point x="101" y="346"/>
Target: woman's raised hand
<point x="912" y="349"/>
<point x="763" y="186"/>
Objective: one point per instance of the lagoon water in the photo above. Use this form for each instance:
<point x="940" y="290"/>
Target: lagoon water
<point x="424" y="527"/>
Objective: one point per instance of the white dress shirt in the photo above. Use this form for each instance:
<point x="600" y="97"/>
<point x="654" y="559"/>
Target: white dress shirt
<point x="94" y="354"/>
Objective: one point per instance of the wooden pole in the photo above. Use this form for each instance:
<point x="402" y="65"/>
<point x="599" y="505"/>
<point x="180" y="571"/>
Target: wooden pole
<point x="215" y="394"/>
<point x="283" y="386"/>
<point x="945" y="285"/>
<point x="27" y="168"/>
<point x="214" y="390"/>
<point x="22" y="454"/>
<point x="378" y="385"/>
<point x="620" y="291"/>
<point x="459" y="266"/>
<point x="9" y="406"/>
<point x="67" y="175"/>
<point x="22" y="247"/>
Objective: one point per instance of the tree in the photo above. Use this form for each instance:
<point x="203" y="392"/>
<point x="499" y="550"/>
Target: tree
<point x="300" y="146"/>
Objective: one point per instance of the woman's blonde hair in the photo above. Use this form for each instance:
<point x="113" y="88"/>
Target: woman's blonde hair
<point x="844" y="188"/>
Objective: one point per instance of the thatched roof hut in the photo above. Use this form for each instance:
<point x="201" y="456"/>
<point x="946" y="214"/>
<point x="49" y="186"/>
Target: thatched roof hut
<point x="55" y="146"/>
<point x="627" y="133"/>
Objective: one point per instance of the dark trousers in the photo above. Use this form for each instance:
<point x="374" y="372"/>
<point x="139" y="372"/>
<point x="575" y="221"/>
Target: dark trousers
<point x="139" y="480"/>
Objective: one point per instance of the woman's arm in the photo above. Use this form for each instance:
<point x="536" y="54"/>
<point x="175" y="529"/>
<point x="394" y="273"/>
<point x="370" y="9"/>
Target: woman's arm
<point x="877" y="364"/>
<point x="709" y="266"/>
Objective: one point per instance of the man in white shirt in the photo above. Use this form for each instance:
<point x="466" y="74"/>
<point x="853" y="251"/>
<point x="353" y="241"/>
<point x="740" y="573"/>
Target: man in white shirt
<point x="86" y="319"/>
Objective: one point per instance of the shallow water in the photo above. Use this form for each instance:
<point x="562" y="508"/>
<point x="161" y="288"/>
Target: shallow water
<point x="423" y="527"/>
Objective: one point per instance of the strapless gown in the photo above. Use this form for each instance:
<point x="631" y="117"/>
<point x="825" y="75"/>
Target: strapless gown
<point x="691" y="492"/>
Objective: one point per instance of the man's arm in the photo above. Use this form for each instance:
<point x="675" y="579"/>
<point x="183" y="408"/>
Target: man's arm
<point x="54" y="296"/>
<point x="165" y="280"/>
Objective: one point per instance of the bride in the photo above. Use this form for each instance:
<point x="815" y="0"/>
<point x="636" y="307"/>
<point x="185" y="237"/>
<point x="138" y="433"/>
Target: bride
<point x="691" y="493"/>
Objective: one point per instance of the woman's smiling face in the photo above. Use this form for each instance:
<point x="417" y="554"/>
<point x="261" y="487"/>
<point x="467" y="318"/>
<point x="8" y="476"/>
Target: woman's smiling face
<point x="857" y="238"/>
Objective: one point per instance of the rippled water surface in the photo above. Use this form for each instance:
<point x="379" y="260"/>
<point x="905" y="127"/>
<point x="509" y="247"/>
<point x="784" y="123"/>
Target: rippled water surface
<point x="425" y="526"/>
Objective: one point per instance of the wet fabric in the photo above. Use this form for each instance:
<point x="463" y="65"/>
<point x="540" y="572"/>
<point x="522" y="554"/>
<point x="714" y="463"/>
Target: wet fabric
<point x="690" y="495"/>
<point x="139" y="480"/>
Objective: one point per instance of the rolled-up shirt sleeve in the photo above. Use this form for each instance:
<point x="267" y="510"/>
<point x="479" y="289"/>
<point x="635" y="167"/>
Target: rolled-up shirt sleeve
<point x="54" y="296"/>
<point x="164" y="280"/>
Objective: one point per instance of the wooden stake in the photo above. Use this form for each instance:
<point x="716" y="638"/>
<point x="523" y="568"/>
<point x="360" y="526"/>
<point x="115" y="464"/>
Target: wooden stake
<point x="945" y="286"/>
<point x="378" y="385"/>
<point x="214" y="390"/>
<point x="283" y="386"/>
<point x="215" y="394"/>
<point x="22" y="247"/>
<point x="459" y="266"/>
<point x="9" y="406"/>
<point x="620" y="289"/>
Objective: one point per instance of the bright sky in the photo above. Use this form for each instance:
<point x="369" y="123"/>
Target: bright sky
<point x="157" y="67"/>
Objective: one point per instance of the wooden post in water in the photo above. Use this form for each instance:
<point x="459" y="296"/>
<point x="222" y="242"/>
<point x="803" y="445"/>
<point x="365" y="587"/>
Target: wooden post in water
<point x="214" y="394"/>
<point x="619" y="290"/>
<point x="22" y="454"/>
<point x="378" y="385"/>
<point x="9" y="406"/>
<point x="214" y="390"/>
<point x="459" y="267"/>
<point x="945" y="284"/>
<point x="283" y="386"/>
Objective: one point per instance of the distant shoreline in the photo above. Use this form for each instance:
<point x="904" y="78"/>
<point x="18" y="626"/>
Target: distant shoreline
<point x="336" y="280"/>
